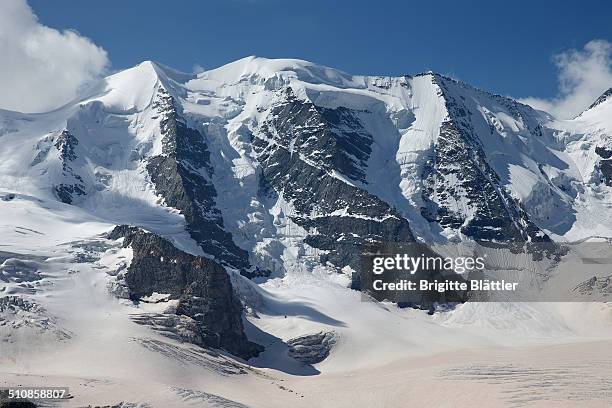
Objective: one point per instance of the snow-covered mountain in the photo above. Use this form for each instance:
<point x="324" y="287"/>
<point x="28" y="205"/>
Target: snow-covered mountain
<point x="277" y="172"/>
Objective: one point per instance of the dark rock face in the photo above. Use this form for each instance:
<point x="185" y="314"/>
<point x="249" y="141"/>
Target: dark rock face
<point x="312" y="348"/>
<point x="66" y="192"/>
<point x="332" y="139"/>
<point x="346" y="237"/>
<point x="603" y="152"/>
<point x="201" y="285"/>
<point x="459" y="172"/>
<point x="605" y="167"/>
<point x="66" y="146"/>
<point x="182" y="176"/>
<point x="300" y="146"/>
<point x="605" y="163"/>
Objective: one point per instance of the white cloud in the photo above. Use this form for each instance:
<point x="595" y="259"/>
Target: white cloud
<point x="198" y="69"/>
<point x="42" y="68"/>
<point x="583" y="76"/>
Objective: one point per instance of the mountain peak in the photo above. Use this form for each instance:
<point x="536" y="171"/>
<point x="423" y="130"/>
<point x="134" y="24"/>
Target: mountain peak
<point x="162" y="71"/>
<point x="132" y="88"/>
<point x="301" y="70"/>
<point x="604" y="97"/>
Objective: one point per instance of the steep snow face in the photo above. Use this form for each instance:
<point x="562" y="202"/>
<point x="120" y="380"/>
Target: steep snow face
<point x="587" y="146"/>
<point x="91" y="154"/>
<point x="130" y="90"/>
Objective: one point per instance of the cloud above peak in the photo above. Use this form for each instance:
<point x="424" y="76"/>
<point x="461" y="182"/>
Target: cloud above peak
<point x="42" y="68"/>
<point x="583" y="76"/>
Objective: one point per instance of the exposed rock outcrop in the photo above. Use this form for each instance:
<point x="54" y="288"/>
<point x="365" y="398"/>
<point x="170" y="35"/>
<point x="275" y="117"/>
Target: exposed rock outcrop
<point x="312" y="348"/>
<point x="301" y="147"/>
<point x="463" y="192"/>
<point x="74" y="185"/>
<point x="209" y="313"/>
<point x="182" y="175"/>
<point x="596" y="286"/>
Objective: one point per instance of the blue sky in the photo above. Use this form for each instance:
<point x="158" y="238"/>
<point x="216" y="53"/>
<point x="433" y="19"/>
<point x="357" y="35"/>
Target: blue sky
<point x="505" y="47"/>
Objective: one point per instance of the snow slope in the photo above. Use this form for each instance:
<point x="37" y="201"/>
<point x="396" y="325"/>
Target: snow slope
<point x="582" y="137"/>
